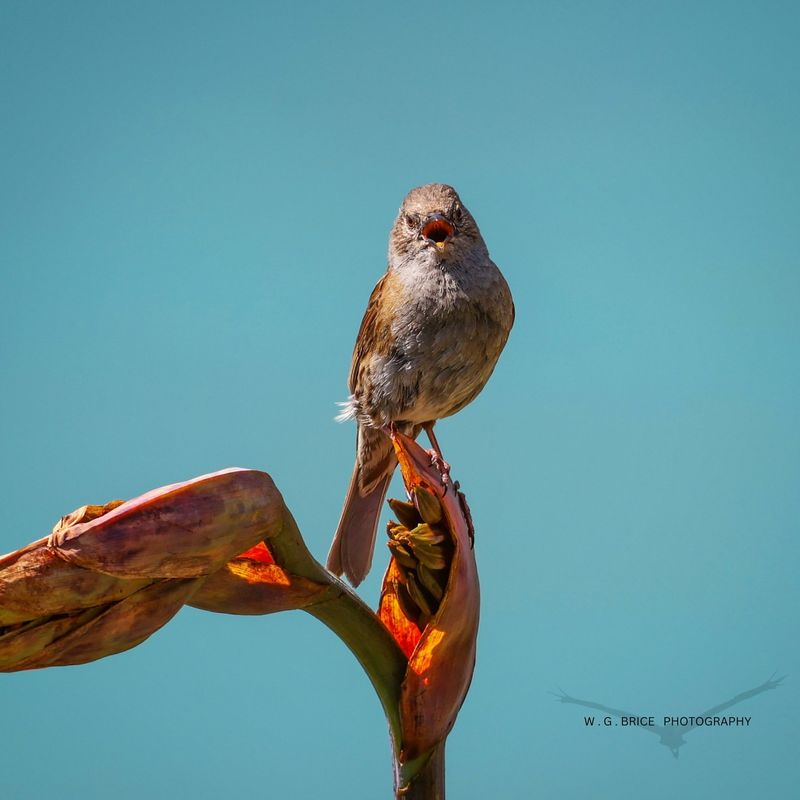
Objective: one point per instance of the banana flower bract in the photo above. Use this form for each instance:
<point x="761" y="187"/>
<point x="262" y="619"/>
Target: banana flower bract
<point x="431" y="607"/>
<point x="109" y="576"/>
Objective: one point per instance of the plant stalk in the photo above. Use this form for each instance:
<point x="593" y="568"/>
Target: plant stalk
<point x="351" y="619"/>
<point x="427" y="780"/>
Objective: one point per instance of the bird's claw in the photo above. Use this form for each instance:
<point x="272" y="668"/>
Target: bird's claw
<point x="441" y="465"/>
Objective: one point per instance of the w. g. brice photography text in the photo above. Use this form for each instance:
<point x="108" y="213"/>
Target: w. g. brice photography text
<point x="671" y="722"/>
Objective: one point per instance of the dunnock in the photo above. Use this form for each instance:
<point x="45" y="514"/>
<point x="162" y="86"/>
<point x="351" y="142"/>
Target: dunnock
<point x="432" y="333"/>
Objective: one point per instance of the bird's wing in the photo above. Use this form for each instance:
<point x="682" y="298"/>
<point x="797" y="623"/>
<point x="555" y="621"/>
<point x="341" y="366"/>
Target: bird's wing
<point x="766" y="686"/>
<point x="371" y="333"/>
<point x="615" y="712"/>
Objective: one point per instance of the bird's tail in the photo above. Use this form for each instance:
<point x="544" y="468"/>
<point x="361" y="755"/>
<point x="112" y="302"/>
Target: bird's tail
<point x="354" y="542"/>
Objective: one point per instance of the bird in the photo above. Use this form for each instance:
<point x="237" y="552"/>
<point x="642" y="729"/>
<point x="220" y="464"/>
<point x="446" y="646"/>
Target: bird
<point x="434" y="328"/>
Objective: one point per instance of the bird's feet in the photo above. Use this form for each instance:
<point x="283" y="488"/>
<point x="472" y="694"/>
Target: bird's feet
<point x="437" y="459"/>
<point x="438" y="462"/>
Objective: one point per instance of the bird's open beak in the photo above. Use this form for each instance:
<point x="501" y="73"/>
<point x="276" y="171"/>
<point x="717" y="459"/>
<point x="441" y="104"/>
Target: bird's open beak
<point x="438" y="229"/>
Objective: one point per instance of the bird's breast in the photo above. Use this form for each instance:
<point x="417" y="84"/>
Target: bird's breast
<point x="447" y="334"/>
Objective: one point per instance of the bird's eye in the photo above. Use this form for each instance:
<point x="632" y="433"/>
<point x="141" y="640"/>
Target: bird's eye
<point x="411" y="221"/>
<point x="458" y="214"/>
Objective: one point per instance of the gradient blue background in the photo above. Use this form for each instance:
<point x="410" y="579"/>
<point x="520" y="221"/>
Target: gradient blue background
<point x="195" y="205"/>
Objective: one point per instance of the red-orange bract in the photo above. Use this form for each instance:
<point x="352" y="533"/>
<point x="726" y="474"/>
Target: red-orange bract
<point x="110" y="576"/>
<point x="442" y="655"/>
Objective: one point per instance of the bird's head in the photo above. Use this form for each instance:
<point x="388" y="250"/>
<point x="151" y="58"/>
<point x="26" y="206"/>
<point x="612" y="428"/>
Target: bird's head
<point x="434" y="225"/>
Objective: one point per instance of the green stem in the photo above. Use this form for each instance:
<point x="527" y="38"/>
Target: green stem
<point x="357" y="625"/>
<point x="369" y="641"/>
<point x="351" y="619"/>
<point x="422" y="779"/>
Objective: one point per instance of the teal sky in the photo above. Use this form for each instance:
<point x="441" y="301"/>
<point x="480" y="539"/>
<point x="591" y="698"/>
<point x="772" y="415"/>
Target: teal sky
<point x="195" y="205"/>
